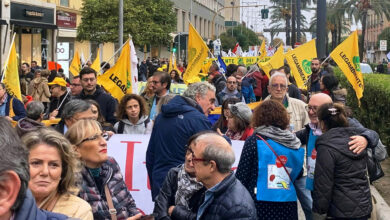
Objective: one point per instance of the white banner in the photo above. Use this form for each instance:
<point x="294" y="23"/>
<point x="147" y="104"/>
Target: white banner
<point x="130" y="153"/>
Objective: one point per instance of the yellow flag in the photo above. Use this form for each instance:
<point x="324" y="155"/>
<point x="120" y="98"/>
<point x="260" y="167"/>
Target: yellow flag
<point x="11" y="74"/>
<point x="263" y="51"/>
<point x="299" y="61"/>
<point x="96" y="64"/>
<point x="117" y="80"/>
<point x="346" y="55"/>
<point x="174" y="64"/>
<point x="75" y="66"/>
<point x="276" y="61"/>
<point x="197" y="54"/>
<point x="170" y="65"/>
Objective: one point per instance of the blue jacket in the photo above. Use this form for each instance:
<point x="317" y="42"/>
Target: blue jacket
<point x="229" y="199"/>
<point x="30" y="211"/>
<point x="18" y="108"/>
<point x="178" y="121"/>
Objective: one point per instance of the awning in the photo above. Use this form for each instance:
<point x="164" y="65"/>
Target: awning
<point x="33" y="24"/>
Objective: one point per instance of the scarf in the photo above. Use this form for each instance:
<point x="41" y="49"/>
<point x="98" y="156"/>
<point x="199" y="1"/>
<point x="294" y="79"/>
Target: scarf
<point x="186" y="187"/>
<point x="283" y="137"/>
<point x="316" y="131"/>
<point x="234" y="135"/>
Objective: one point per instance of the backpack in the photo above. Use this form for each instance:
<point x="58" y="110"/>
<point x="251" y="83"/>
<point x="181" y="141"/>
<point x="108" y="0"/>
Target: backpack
<point x="121" y="126"/>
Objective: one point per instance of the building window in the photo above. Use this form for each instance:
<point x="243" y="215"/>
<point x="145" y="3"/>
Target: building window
<point x="64" y="3"/>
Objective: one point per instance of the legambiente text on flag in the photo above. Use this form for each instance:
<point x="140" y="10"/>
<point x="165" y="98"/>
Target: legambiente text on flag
<point x="11" y="74"/>
<point x="197" y="54"/>
<point x="346" y="55"/>
<point x="117" y="80"/>
<point x="299" y="61"/>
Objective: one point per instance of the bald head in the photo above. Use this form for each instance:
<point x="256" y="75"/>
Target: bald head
<point x="215" y="147"/>
<point x="315" y="102"/>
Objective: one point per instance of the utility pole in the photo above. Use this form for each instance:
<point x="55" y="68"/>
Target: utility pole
<point x="321" y="26"/>
<point x="120" y="40"/>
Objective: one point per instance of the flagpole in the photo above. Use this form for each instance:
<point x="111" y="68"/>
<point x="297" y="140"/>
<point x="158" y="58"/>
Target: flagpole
<point x="9" y="53"/>
<point x="116" y="52"/>
<point x="325" y="60"/>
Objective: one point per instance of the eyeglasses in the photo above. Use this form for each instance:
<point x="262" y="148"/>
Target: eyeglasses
<point x="104" y="135"/>
<point x="195" y="159"/>
<point x="312" y="108"/>
<point x="155" y="82"/>
<point x="231" y="82"/>
<point x="276" y="86"/>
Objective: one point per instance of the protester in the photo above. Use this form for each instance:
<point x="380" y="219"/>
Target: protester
<point x="326" y="66"/>
<point x="35" y="112"/>
<point x="341" y="187"/>
<point x="264" y="158"/>
<point x="293" y="90"/>
<point x="40" y="88"/>
<point x="59" y="97"/>
<point x="239" y="122"/>
<point x="316" y="74"/>
<point x="226" y="197"/>
<point x="143" y="71"/>
<point x="181" y="118"/>
<point x="132" y="115"/>
<point x="102" y="180"/>
<point x="148" y="93"/>
<point x="34" y="67"/>
<point x="216" y="78"/>
<point x="175" y="77"/>
<point x="180" y="195"/>
<point x="10" y="107"/>
<point x="230" y="91"/>
<point x="25" y="77"/>
<point x="230" y="69"/>
<point x="73" y="111"/>
<point x="52" y="169"/>
<point x="164" y="100"/>
<point x="329" y="84"/>
<point x="222" y="121"/>
<point x="93" y="91"/>
<point x="105" y="66"/>
<point x="97" y="115"/>
<point x="261" y="81"/>
<point x="75" y="86"/>
<point x="17" y="202"/>
<point x="161" y="84"/>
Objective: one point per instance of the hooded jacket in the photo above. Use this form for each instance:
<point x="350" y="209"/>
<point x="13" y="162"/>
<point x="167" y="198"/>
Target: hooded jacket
<point x="178" y="121"/>
<point x="106" y="103"/>
<point x="341" y="187"/>
<point x="143" y="126"/>
<point x="40" y="90"/>
<point x="26" y="125"/>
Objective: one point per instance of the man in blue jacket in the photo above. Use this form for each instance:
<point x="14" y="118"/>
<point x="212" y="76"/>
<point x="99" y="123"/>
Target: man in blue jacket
<point x="181" y="118"/>
<point x="10" y="107"/>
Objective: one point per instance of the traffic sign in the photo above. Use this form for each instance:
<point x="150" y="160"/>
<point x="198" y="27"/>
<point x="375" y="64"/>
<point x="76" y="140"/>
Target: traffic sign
<point x="383" y="45"/>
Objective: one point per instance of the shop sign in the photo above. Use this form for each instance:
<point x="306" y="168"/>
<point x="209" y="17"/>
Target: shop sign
<point x="66" y="19"/>
<point x="34" y="14"/>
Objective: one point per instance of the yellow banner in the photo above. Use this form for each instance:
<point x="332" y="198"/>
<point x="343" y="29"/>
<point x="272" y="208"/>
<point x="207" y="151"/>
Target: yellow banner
<point x="96" y="63"/>
<point x="197" y="54"/>
<point x="117" y="80"/>
<point x="299" y="61"/>
<point x="75" y="66"/>
<point x="346" y="55"/>
<point x="11" y="74"/>
<point x="276" y="61"/>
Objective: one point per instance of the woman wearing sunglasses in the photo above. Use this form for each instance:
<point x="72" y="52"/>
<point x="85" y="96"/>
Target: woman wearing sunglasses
<point x="102" y="184"/>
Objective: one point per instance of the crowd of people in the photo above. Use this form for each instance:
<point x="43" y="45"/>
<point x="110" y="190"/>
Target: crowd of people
<point x="300" y="145"/>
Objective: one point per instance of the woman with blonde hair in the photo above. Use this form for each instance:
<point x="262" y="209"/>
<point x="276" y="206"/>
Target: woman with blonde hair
<point x="102" y="184"/>
<point x="53" y="165"/>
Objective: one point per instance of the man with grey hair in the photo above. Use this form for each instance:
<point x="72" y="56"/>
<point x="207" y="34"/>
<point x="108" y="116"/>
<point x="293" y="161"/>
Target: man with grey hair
<point x="35" y="112"/>
<point x="178" y="120"/>
<point x="16" y="200"/>
<point x="73" y="111"/>
<point x="226" y="197"/>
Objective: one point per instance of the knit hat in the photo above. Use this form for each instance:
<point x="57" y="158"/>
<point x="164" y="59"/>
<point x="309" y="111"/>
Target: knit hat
<point x="58" y="81"/>
<point x="241" y="110"/>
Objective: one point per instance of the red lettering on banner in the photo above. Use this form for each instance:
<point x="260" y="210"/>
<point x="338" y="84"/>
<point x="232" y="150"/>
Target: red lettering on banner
<point x="148" y="181"/>
<point x="129" y="164"/>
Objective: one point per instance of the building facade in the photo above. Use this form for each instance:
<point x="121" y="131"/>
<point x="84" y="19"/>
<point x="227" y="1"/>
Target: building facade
<point x="375" y="26"/>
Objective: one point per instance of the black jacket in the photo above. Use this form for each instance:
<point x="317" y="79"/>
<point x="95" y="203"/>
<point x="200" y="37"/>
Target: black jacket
<point x="231" y="201"/>
<point x="106" y="102"/>
<point x="371" y="136"/>
<point x="166" y="198"/>
<point x="341" y="187"/>
<point x="219" y="82"/>
<point x="55" y="104"/>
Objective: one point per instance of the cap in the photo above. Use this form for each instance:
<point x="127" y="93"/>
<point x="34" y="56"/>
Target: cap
<point x="241" y="110"/>
<point x="58" y="81"/>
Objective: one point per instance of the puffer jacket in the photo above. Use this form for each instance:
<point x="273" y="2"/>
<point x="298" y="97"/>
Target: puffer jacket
<point x="111" y="175"/>
<point x="230" y="200"/>
<point x="143" y="126"/>
<point x="341" y="187"/>
<point x="166" y="198"/>
<point x="26" y="125"/>
<point x="40" y="90"/>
